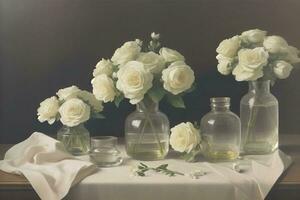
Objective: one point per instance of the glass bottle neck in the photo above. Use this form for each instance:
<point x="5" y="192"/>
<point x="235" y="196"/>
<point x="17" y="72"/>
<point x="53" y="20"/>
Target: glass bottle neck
<point x="220" y="108"/>
<point x="147" y="105"/>
<point x="259" y="86"/>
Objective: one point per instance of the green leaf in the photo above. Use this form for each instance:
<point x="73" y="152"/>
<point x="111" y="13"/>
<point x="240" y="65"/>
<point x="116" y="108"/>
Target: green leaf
<point x="156" y="93"/>
<point x="176" y="101"/>
<point x="98" y="116"/>
<point x="118" y="100"/>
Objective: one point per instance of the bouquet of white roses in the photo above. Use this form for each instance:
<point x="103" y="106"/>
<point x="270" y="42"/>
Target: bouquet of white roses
<point x="72" y="107"/>
<point x="254" y="55"/>
<point x="136" y="70"/>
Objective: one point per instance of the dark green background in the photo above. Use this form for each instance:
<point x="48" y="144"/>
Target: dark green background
<point x="50" y="44"/>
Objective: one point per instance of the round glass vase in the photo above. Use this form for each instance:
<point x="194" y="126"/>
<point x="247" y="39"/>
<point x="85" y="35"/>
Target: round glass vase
<point x="259" y="117"/>
<point x="221" y="131"/>
<point x="147" y="132"/>
<point x="75" y="139"/>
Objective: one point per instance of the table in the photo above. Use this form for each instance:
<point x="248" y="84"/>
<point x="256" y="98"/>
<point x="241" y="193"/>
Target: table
<point x="288" y="185"/>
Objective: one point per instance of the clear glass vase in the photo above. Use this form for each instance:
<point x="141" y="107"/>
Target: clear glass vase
<point x="147" y="132"/>
<point x="221" y="131"/>
<point x="75" y="139"/>
<point x="259" y="117"/>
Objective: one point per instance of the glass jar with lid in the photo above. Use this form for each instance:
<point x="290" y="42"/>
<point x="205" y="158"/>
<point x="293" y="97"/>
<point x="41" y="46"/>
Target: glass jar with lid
<point x="221" y="131"/>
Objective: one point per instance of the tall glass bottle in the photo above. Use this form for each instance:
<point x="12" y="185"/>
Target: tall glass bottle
<point x="221" y="131"/>
<point x="259" y="117"/>
<point x="147" y="132"/>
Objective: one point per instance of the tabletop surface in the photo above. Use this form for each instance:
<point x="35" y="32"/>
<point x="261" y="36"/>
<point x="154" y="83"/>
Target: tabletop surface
<point x="290" y="144"/>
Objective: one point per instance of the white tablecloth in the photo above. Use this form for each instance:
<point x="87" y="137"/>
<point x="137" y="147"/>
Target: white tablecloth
<point x="259" y="174"/>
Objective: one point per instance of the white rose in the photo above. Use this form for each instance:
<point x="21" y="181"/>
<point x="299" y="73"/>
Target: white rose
<point x="293" y="55"/>
<point x="152" y="61"/>
<point x="103" y="88"/>
<point x="184" y="137"/>
<point x="89" y="98"/>
<point x="254" y="36"/>
<point x="155" y="36"/>
<point x="178" y="77"/>
<point x="103" y="67"/>
<point x="68" y="92"/>
<point x="229" y="47"/>
<point x="134" y="81"/>
<point x="253" y="59"/>
<point x="125" y="53"/>
<point x="224" y="66"/>
<point x="282" y="69"/>
<point x="48" y="110"/>
<point x="74" y="112"/>
<point x="171" y="55"/>
<point x="275" y="44"/>
<point x="245" y="75"/>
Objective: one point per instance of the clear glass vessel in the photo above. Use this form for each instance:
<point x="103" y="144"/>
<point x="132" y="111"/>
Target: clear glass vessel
<point x="104" y="152"/>
<point x="259" y="118"/>
<point x="75" y="139"/>
<point x="221" y="131"/>
<point x="147" y="132"/>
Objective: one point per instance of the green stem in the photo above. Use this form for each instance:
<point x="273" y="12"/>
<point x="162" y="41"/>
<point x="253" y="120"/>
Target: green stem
<point x="153" y="128"/>
<point x="251" y="121"/>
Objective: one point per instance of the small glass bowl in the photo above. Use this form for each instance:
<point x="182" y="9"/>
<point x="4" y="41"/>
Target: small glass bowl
<point x="104" y="152"/>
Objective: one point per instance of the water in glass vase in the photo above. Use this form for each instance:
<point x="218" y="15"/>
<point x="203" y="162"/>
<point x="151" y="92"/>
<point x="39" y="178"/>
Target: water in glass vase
<point x="147" y="147"/>
<point x="259" y="128"/>
<point x="76" y="139"/>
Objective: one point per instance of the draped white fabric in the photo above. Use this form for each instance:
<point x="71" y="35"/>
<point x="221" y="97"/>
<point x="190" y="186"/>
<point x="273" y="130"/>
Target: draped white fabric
<point x="51" y="172"/>
<point x="259" y="173"/>
<point x="49" y="169"/>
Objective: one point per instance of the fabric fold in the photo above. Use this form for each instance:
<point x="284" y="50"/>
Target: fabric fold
<point x="48" y="167"/>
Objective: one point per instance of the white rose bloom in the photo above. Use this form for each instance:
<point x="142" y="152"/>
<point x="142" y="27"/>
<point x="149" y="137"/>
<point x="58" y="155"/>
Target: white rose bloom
<point x="134" y="81"/>
<point x="68" y="92"/>
<point x="282" y="69"/>
<point x="74" y="112"/>
<point x="254" y="36"/>
<point x="178" y="77"/>
<point x="245" y="75"/>
<point x="125" y="53"/>
<point x="152" y="61"/>
<point x="253" y="59"/>
<point x="171" y="55"/>
<point x="275" y="44"/>
<point x="48" y="110"/>
<point x="184" y="137"/>
<point x="103" y="88"/>
<point x="224" y="66"/>
<point x="229" y="47"/>
<point x="155" y="36"/>
<point x="103" y="67"/>
<point x="293" y="55"/>
<point x="89" y="98"/>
